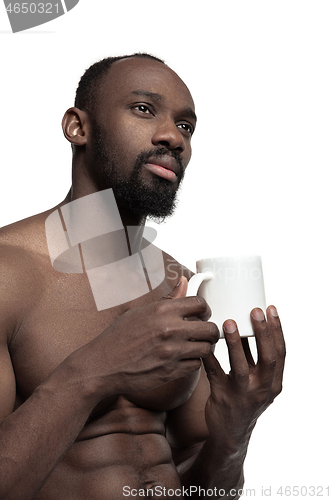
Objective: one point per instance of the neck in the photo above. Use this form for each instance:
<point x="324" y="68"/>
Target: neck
<point x="106" y="230"/>
<point x="100" y="209"/>
<point x="83" y="185"/>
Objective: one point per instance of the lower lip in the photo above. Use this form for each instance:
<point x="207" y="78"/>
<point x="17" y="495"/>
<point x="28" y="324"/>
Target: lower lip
<point x="161" y="172"/>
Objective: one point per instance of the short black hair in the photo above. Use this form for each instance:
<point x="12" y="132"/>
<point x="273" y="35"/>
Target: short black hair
<point x="92" y="78"/>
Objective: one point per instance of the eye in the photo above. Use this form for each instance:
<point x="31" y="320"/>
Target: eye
<point x="187" y="127"/>
<point x="143" y="108"/>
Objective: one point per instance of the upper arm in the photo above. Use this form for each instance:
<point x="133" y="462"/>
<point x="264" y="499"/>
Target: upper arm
<point x="7" y="383"/>
<point x="186" y="425"/>
<point x="7" y="376"/>
<point x="11" y="302"/>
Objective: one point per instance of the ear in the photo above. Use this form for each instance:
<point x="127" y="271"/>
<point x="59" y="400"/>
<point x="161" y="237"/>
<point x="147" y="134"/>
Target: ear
<point x="75" y="126"/>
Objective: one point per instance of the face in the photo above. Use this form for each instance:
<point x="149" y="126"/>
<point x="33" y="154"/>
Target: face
<point x="141" y="136"/>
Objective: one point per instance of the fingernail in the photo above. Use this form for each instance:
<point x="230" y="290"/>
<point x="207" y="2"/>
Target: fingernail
<point x="273" y="311"/>
<point x="229" y="326"/>
<point x="258" y="315"/>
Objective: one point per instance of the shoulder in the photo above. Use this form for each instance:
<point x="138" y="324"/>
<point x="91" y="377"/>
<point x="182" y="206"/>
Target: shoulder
<point x="27" y="234"/>
<point x="23" y="254"/>
<point x="22" y="245"/>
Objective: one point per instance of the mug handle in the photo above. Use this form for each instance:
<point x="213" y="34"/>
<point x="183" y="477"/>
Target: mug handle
<point x="195" y="282"/>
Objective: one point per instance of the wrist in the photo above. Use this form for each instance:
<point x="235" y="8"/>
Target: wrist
<point x="85" y="371"/>
<point x="218" y="466"/>
<point x="232" y="439"/>
<point x="71" y="381"/>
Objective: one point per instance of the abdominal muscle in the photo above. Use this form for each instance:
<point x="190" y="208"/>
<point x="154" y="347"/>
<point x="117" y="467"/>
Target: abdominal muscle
<point x="117" y="455"/>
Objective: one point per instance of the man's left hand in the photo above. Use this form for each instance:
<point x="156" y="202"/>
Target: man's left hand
<point x="237" y="399"/>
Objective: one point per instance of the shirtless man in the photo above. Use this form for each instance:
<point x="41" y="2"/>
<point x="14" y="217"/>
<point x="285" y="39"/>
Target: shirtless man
<point x="109" y="404"/>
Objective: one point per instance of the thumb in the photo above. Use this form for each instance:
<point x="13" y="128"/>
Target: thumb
<point x="179" y="290"/>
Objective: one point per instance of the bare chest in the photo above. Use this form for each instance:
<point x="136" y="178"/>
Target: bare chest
<point x="64" y="318"/>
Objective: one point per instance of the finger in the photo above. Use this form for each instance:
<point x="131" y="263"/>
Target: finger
<point x="205" y="331"/>
<point x="238" y="361"/>
<point x="196" y="350"/>
<point x="187" y="307"/>
<point x="265" y="345"/>
<point x="214" y="371"/>
<point x="179" y="290"/>
<point x="276" y="328"/>
<point x="197" y="307"/>
<point x="280" y="347"/>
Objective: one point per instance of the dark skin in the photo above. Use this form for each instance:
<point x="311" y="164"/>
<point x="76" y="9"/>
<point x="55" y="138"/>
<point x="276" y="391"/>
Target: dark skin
<point x="92" y="401"/>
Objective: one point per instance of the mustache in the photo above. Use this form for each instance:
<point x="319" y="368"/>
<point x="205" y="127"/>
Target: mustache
<point x="144" y="156"/>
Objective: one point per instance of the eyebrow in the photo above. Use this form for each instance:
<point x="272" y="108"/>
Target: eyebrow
<point x="190" y="113"/>
<point x="146" y="93"/>
<point x="187" y="111"/>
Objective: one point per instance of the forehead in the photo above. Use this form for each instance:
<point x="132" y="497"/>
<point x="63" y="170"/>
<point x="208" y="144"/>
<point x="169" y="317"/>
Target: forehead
<point x="127" y="76"/>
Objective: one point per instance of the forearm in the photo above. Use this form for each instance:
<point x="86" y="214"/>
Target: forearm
<point x="36" y="436"/>
<point x="215" y="468"/>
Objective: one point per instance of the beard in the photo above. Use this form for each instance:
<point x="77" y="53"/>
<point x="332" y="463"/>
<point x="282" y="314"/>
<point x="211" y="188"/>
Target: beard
<point x="156" y="200"/>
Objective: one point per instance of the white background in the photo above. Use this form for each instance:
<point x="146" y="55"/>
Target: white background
<point x="261" y="76"/>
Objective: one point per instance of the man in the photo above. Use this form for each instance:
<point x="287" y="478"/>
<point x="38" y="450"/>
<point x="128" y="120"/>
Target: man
<point x="129" y="400"/>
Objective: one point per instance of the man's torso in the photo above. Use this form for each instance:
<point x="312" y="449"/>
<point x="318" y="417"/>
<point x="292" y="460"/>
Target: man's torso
<point x="123" y="443"/>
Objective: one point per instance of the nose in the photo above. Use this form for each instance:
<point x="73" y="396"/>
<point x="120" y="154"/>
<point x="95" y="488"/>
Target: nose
<point x="169" y="135"/>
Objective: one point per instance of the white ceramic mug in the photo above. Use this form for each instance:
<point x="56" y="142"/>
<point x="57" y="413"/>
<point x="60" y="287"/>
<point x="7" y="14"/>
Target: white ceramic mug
<point x="232" y="286"/>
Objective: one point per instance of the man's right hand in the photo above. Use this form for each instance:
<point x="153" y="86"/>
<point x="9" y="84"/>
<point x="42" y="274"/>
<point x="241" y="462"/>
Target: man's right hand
<point x="149" y="346"/>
